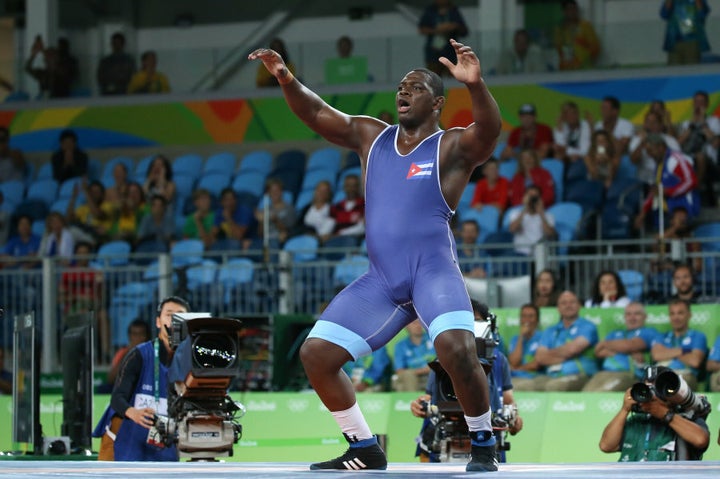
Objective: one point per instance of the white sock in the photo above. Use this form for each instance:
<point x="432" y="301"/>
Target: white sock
<point x="479" y="423"/>
<point x="353" y="424"/>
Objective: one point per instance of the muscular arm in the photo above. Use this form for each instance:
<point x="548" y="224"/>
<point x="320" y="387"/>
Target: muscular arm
<point x="612" y="435"/>
<point x="547" y="357"/>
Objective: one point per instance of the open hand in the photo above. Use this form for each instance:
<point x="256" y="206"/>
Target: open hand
<point x="272" y="61"/>
<point x="467" y="70"/>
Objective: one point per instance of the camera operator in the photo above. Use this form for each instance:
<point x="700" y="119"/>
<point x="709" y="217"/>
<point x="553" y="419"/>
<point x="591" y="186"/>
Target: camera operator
<point x="140" y="392"/>
<point x="531" y="223"/>
<point x="655" y="430"/>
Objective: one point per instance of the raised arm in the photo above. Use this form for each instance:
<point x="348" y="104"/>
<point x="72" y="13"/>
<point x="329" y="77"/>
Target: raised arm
<point x="348" y="131"/>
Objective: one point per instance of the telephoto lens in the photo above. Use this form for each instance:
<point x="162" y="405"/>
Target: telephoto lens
<point x="641" y="392"/>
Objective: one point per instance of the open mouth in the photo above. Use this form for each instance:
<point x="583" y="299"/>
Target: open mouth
<point x="403" y="105"/>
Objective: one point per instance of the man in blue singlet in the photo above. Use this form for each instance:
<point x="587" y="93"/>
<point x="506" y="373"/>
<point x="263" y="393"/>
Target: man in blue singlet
<point x="414" y="174"/>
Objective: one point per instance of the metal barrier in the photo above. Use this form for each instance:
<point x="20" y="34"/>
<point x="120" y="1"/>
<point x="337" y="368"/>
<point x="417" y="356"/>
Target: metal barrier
<point x="120" y="290"/>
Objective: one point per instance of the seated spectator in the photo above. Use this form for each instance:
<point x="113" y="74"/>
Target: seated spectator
<point x="119" y="190"/>
<point x="608" y="292"/>
<point x="159" y="181"/>
<point x="233" y="221"/>
<point x="6" y="376"/>
<point x="371" y="373"/>
<point x="138" y="332"/>
<point x="602" y="161"/>
<point x="566" y="349"/>
<point x="266" y="79"/>
<point x="96" y="216"/>
<point x="349" y="214"/>
<point x="625" y="353"/>
<point x="531" y="173"/>
<point x="675" y="171"/>
<point x="157" y="225"/>
<point x="116" y="69"/>
<point x="58" y="240"/>
<point x="56" y="76"/>
<point x="621" y="128"/>
<point x="546" y="289"/>
<point x="682" y="349"/>
<point x="713" y="366"/>
<point x="346" y="67"/>
<point x="148" y="79"/>
<point x="281" y="215"/>
<point x="646" y="166"/>
<point x="685" y="36"/>
<point x="683" y="280"/>
<point x="128" y="218"/>
<point x="412" y="355"/>
<point x="571" y="134"/>
<point x="493" y="189"/>
<point x="524" y="56"/>
<point x="469" y="259"/>
<point x="531" y="223"/>
<point x="199" y="224"/>
<point x="69" y="161"/>
<point x="24" y="244"/>
<point x="316" y="216"/>
<point x="523" y="365"/>
<point x="658" y="107"/>
<point x="12" y="161"/>
<point x="576" y="42"/>
<point x="529" y="135"/>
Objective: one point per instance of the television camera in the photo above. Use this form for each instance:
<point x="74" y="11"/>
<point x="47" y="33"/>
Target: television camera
<point x="667" y="385"/>
<point x="202" y="418"/>
<point x="446" y="434"/>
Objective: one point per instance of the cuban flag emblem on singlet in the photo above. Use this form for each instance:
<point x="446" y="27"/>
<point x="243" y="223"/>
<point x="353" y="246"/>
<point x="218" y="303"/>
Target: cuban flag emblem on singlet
<point x="419" y="172"/>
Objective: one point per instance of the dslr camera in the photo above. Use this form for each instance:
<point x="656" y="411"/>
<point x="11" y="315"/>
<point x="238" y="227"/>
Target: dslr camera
<point x="203" y="420"/>
<point x="667" y="385"/>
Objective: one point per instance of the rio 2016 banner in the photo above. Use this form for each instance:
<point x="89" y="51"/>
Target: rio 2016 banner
<point x="135" y="123"/>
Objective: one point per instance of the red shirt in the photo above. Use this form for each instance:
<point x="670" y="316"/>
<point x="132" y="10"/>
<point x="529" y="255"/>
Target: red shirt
<point x="344" y="216"/>
<point x="539" y="177"/>
<point x="543" y="136"/>
<point x="491" y="195"/>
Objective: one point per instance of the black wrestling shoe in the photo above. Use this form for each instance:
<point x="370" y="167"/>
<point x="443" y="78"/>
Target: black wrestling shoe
<point x="356" y="459"/>
<point x="482" y="459"/>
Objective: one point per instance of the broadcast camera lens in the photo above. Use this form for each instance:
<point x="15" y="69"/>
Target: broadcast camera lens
<point x="641" y="392"/>
<point x="214" y="351"/>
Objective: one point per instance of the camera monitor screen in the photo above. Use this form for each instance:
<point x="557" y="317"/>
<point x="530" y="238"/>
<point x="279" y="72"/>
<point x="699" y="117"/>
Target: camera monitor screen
<point x="26" y="383"/>
<point x="77" y="367"/>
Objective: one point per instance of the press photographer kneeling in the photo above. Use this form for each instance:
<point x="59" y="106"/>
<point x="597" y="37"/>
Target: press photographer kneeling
<point x="661" y="419"/>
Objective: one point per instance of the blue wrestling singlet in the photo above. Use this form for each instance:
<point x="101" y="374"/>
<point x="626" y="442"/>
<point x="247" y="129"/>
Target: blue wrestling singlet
<point x="413" y="265"/>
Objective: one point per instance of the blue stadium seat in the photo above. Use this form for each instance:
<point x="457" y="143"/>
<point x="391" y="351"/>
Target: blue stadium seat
<point x="290" y="178"/>
<point x="67" y="187"/>
<point x="201" y="283"/>
<point x="188" y="164"/>
<point x="148" y="249"/>
<point x="249" y="181"/>
<point x="589" y="194"/>
<point x="94" y="169"/>
<point x="338" y="247"/>
<point x="45" y="172"/>
<point x="184" y="185"/>
<point x="141" y="169"/>
<point x="622" y="204"/>
<point x="349" y="269"/>
<point x="709" y="234"/>
<point x="634" y="282"/>
<point x="304" y="198"/>
<point x="508" y="168"/>
<point x="214" y="183"/>
<point x="627" y="168"/>
<point x="354" y="170"/>
<point x="324" y="159"/>
<point x="302" y="247"/>
<point x="13" y="191"/>
<point x="222" y="163"/>
<point x="187" y="252"/>
<point x="313" y="177"/>
<point x="556" y="168"/>
<point x="499" y="148"/>
<point x="43" y="190"/>
<point x="576" y="171"/>
<point x="236" y="279"/>
<point x="505" y="225"/>
<point x="291" y="160"/>
<point x="260" y="161"/>
<point x="38" y="228"/>
<point x="352" y="159"/>
<point x="35" y="208"/>
<point x="467" y="196"/>
<point x="248" y="199"/>
<point x="113" y="253"/>
<point x="567" y="217"/>
<point x="487" y="219"/>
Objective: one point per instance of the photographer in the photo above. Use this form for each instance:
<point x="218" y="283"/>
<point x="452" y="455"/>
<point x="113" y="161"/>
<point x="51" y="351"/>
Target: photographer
<point x="531" y="224"/>
<point x="655" y="430"/>
<point x="140" y="392"/>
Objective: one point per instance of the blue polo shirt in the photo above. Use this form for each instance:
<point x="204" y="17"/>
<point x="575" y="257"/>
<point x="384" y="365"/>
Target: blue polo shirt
<point x="528" y="353"/>
<point x="558" y="335"/>
<point x="623" y="362"/>
<point x="689" y="341"/>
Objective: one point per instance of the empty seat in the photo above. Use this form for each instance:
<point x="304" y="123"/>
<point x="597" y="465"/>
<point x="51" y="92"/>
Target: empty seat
<point x="349" y="269"/>
<point x="487" y="219"/>
<point x="250" y="181"/>
<point x="634" y="282"/>
<point x="214" y="183"/>
<point x="13" y="191"/>
<point x="141" y="169"/>
<point x="313" y="177"/>
<point x="222" y="163"/>
<point x="324" y="159"/>
<point x="556" y="168"/>
<point x="508" y="168"/>
<point x="43" y="190"/>
<point x="259" y="161"/>
<point x="189" y="164"/>
<point x="291" y="160"/>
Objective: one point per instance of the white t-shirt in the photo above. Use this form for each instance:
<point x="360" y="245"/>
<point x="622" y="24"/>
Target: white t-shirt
<point x="618" y="303"/>
<point x="713" y="124"/>
<point x="623" y="128"/>
<point x="646" y="167"/>
<point x="576" y="142"/>
<point x="531" y="230"/>
<point x="320" y="219"/>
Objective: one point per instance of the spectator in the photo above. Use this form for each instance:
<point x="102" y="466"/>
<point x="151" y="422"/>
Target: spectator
<point x="524" y="366"/>
<point x="440" y="22"/>
<point x="699" y="138"/>
<point x="12" y="160"/>
<point x="492" y="189"/>
<point x="529" y="135"/>
<point x="646" y="166"/>
<point x="658" y="106"/>
<point x="199" y="224"/>
<point x="468" y="254"/>
<point x="346" y="67"/>
<point x="713" y="366"/>
<point x="531" y="223"/>
<point x="67" y="61"/>
<point x="677" y="178"/>
<point x="281" y="215"/>
<point x="6" y="377"/>
<point x="678" y="228"/>
<point x="349" y="213"/>
<point x="524" y="57"/>
<point x="685" y="37"/>
<point x="576" y="42"/>
<point x="69" y="161"/>
<point x="233" y="221"/>
<point x="682" y="349"/>
<point x="57" y="241"/>
<point x="128" y="218"/>
<point x="159" y="181"/>
<point x="412" y="355"/>
<point x="148" y="79"/>
<point x="546" y="289"/>
<point x="95" y="217"/>
<point x="602" y="161"/>
<point x="624" y="352"/>
<point x="317" y="216"/>
<point x="571" y="134"/>
<point x="683" y="281"/>
<point x="621" y="128"/>
<point x="653" y="432"/>
<point x="266" y="79"/>
<point x="565" y="349"/>
<point x="56" y="77"/>
<point x="119" y="190"/>
<point x="138" y="332"/>
<point x="24" y="244"/>
<point x="371" y="373"/>
<point x="157" y="225"/>
<point x="115" y="70"/>
<point x="531" y="173"/>
<point x="608" y="292"/>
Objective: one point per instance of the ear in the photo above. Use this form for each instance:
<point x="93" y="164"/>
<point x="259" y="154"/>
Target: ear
<point x="439" y="103"/>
